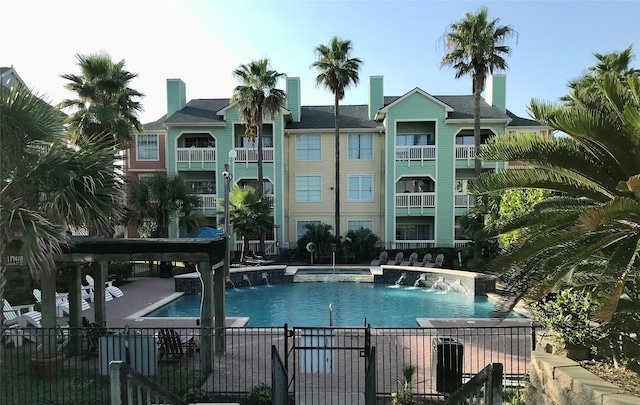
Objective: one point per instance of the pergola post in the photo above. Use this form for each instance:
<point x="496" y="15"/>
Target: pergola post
<point x="100" y="307"/>
<point x="75" y="308"/>
<point x="219" y="284"/>
<point x="206" y="318"/>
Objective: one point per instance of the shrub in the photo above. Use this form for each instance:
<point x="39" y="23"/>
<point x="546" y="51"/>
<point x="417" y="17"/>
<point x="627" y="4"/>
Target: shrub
<point x="260" y="395"/>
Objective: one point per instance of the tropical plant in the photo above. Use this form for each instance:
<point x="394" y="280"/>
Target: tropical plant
<point x="154" y="200"/>
<point x="587" y="235"/>
<point x="404" y="396"/>
<point x="362" y="243"/>
<point x="338" y="71"/>
<point x="258" y="97"/>
<point x="516" y="203"/>
<point x="106" y="108"/>
<point x="476" y="47"/>
<point x="260" y="395"/>
<point x="480" y="225"/>
<point x="249" y="214"/>
<point x="48" y="187"/>
<point x="322" y="238"/>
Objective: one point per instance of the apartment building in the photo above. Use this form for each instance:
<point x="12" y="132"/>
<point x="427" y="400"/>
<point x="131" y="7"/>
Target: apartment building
<point x="405" y="160"/>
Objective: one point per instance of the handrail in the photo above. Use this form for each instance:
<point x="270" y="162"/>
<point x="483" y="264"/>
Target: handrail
<point x="490" y="377"/>
<point x="124" y="380"/>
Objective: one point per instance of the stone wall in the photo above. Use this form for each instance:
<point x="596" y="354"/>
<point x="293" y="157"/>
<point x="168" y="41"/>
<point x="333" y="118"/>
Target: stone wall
<point x="190" y="283"/>
<point x="558" y="380"/>
<point x="438" y="278"/>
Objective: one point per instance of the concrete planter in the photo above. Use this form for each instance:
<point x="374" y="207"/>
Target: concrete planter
<point x="47" y="365"/>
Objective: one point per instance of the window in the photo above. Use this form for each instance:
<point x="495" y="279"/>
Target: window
<point x="361" y="146"/>
<point x="413" y="232"/>
<point x="360" y="188"/>
<point x="415" y="139"/>
<point x="308" y="147"/>
<point x="202" y="187"/>
<point x="267" y="142"/>
<point x="200" y="141"/>
<point x="464" y="140"/>
<point x="301" y="227"/>
<point x="461" y="186"/>
<point x="147" y="147"/>
<point x="308" y="188"/>
<point x="356" y="224"/>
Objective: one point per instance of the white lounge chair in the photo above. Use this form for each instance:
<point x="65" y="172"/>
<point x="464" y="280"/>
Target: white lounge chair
<point x="110" y="289"/>
<point x="397" y="260"/>
<point x="413" y="257"/>
<point x="426" y="261"/>
<point x="382" y="259"/>
<point x="21" y="315"/>
<point x="62" y="302"/>
<point x="439" y="260"/>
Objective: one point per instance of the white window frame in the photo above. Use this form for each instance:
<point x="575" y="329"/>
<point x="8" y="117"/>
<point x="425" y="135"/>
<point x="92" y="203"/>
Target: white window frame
<point x="360" y="189"/>
<point x="359" y="150"/>
<point x="139" y="137"/>
<point x="359" y="221"/>
<point x="309" y="191"/>
<point x="309" y="138"/>
<point x="306" y="221"/>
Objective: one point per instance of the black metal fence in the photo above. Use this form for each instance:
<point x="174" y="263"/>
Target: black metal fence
<point x="327" y="360"/>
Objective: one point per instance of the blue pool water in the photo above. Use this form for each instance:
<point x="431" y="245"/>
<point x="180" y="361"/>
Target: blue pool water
<point x="307" y="304"/>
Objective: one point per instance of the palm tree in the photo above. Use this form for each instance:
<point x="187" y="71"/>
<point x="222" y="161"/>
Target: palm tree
<point x="258" y="97"/>
<point x="106" y="108"/>
<point x="588" y="233"/>
<point x="154" y="200"/>
<point x="47" y="187"/>
<point x="321" y="236"/>
<point x="337" y="72"/>
<point x="249" y="214"/>
<point x="362" y="243"/>
<point x="476" y="47"/>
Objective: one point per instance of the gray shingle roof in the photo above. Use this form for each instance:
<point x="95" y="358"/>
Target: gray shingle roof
<point x="199" y="111"/>
<point x="522" y="122"/>
<point x="157" y="125"/>
<point x="462" y="107"/>
<point x="318" y="117"/>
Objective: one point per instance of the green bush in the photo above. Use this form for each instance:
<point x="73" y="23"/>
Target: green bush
<point x="260" y="395"/>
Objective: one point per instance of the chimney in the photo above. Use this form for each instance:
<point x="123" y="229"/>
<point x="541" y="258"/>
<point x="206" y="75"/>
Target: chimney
<point x="496" y="91"/>
<point x="376" y="95"/>
<point x="176" y="96"/>
<point x="293" y="97"/>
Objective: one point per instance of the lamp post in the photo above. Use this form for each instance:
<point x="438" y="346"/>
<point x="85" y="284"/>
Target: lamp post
<point x="277" y="247"/>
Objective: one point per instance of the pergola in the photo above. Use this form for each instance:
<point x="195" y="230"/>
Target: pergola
<point x="99" y="251"/>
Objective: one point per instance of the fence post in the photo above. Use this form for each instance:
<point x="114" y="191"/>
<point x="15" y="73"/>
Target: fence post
<point x="495" y="384"/>
<point x="533" y="337"/>
<point x="115" y="387"/>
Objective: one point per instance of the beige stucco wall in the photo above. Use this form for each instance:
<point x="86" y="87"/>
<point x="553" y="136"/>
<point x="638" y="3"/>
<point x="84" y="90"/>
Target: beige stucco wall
<point x="557" y="380"/>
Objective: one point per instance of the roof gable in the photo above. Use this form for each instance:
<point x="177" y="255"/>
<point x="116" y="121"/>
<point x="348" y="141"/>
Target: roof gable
<point x="417" y="90"/>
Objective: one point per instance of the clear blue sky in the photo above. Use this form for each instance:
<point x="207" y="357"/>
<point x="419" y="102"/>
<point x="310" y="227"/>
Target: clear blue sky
<point x="201" y="42"/>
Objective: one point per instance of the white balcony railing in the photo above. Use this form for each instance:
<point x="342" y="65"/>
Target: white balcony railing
<point x="417" y="153"/>
<point x="416" y="200"/>
<point x="414" y="244"/>
<point x="196" y="156"/>
<point x="208" y="201"/>
<point x="250" y="155"/>
<point x="254" y="246"/>
<point x="461" y="243"/>
<point x="462" y="200"/>
<point x="466" y="152"/>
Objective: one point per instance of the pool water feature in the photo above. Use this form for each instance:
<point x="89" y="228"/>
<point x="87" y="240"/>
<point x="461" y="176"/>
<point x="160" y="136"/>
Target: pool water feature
<point x="307" y="304"/>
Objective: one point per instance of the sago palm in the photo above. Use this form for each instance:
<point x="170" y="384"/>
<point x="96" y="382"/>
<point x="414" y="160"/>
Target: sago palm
<point x="477" y="48"/>
<point x="596" y="217"/>
<point x="48" y="187"/>
<point x="338" y="71"/>
<point x="106" y="106"/>
<point x="258" y="97"/>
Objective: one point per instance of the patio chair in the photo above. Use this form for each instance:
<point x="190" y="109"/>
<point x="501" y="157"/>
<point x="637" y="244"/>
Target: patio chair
<point x="413" y="257"/>
<point x="382" y="259"/>
<point x="397" y="260"/>
<point x="439" y="260"/>
<point x="172" y="346"/>
<point x="426" y="261"/>
<point x="92" y="332"/>
<point x="62" y="302"/>
<point x="110" y="289"/>
<point x="21" y="315"/>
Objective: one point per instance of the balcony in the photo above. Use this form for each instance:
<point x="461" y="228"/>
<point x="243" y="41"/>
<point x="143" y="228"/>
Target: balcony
<point x="460" y="243"/>
<point x="208" y="201"/>
<point x="270" y="248"/>
<point x="413" y="244"/>
<point x="195" y="157"/>
<point x="416" y="200"/>
<point x="465" y="152"/>
<point x="463" y="200"/>
<point x="415" y="153"/>
<point x="250" y="155"/>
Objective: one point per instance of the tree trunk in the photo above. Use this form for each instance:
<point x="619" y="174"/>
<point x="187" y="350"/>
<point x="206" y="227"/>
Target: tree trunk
<point x="261" y="246"/>
<point x="337" y="186"/>
<point x="478" y="85"/>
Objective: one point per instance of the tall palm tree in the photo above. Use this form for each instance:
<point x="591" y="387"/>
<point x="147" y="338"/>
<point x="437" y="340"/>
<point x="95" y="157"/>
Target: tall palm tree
<point x="249" y="214"/>
<point x="106" y="108"/>
<point x="47" y="187"/>
<point x="258" y="97"/>
<point x="476" y="47"/>
<point x="589" y="233"/>
<point x="338" y="71"/>
<point x="154" y="200"/>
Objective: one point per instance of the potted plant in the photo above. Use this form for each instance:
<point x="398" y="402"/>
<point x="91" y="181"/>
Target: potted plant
<point x="48" y="364"/>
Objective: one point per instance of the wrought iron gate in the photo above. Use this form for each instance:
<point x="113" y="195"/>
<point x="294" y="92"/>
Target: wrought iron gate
<point x="330" y="365"/>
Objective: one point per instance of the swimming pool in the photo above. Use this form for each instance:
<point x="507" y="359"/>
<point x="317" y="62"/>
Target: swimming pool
<point x="307" y="304"/>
